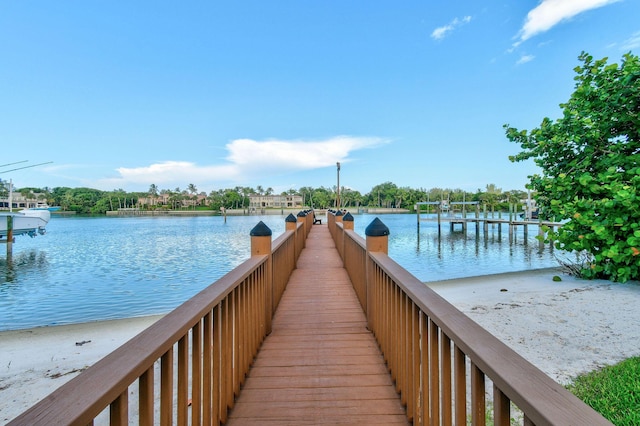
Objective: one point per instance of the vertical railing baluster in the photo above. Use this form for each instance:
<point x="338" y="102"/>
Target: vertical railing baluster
<point x="413" y="362"/>
<point x="425" y="376"/>
<point x="217" y="365"/>
<point x="388" y="312"/>
<point x="256" y="313"/>
<point x="228" y="358"/>
<point x="478" y="408"/>
<point x="393" y="333"/>
<point x="183" y="380"/>
<point x="166" y="388"/>
<point x="246" y="329"/>
<point x="145" y="398"/>
<point x="445" y="359"/>
<point x="434" y="369"/>
<point x="119" y="410"/>
<point x="501" y="408"/>
<point x="208" y="369"/>
<point x="406" y="345"/>
<point x="238" y="343"/>
<point x="196" y="373"/>
<point x="460" y="372"/>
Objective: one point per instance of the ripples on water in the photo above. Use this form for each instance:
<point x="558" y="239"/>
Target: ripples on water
<point x="88" y="269"/>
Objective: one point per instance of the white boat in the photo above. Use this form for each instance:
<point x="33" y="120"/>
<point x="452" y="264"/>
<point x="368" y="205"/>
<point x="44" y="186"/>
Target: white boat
<point x="45" y="206"/>
<point x="29" y="221"/>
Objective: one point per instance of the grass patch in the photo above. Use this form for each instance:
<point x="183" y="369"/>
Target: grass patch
<point x="613" y="391"/>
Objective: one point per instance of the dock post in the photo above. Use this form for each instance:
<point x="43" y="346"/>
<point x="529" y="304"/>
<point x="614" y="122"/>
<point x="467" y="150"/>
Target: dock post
<point x="339" y="215"/>
<point x="302" y="217"/>
<point x="260" y="246"/>
<point x="347" y="225"/>
<point x="347" y="222"/>
<point x="291" y="224"/>
<point x="540" y="236"/>
<point x="512" y="226"/>
<point x="9" y="236"/>
<point x="377" y="240"/>
<point x="485" y="224"/>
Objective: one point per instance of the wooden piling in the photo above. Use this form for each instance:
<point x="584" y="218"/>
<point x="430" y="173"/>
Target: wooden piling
<point x="9" y="235"/>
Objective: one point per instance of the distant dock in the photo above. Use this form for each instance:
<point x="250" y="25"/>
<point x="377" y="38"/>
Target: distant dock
<point x="485" y="219"/>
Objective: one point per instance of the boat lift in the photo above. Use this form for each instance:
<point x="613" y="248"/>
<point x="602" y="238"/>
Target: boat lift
<point x="10" y="239"/>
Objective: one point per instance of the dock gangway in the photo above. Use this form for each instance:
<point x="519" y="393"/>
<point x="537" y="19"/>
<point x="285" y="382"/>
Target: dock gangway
<point x="319" y="326"/>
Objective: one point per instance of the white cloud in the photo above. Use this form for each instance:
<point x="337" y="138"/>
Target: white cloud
<point x="441" y="32"/>
<point x="631" y="43"/>
<point x="247" y="159"/>
<point x="549" y="13"/>
<point x="524" y="59"/>
<point x="295" y="155"/>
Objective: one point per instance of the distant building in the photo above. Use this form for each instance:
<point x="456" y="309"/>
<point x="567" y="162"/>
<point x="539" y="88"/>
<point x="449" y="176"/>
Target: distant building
<point x="165" y="199"/>
<point x="19" y="201"/>
<point x="275" y="201"/>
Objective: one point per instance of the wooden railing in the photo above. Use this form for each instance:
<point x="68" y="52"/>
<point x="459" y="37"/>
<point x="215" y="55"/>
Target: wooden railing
<point x="442" y="362"/>
<point x="188" y="367"/>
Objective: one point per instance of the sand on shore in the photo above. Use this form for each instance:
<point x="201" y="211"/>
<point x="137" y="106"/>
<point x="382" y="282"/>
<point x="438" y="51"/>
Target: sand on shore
<point x="565" y="328"/>
<point x="34" y="362"/>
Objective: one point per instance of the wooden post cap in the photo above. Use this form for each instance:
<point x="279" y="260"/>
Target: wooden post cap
<point x="376" y="229"/>
<point x="261" y="230"/>
<point x="290" y="218"/>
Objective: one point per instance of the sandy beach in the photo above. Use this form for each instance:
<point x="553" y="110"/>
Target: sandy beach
<point x="564" y="328"/>
<point x="35" y="362"/>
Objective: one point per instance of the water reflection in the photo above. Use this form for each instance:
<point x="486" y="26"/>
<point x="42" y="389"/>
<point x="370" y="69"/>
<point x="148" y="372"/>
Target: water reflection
<point x="439" y="253"/>
<point x="24" y="262"/>
<point x="88" y="269"/>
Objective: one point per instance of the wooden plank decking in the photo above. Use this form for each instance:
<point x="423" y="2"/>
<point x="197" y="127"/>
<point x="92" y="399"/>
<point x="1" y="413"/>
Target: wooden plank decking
<point x="320" y="365"/>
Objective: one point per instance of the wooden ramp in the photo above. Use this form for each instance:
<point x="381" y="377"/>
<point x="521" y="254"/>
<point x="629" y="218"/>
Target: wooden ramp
<point x="320" y="365"/>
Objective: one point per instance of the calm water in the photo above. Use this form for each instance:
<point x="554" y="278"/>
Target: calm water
<point x="88" y="269"/>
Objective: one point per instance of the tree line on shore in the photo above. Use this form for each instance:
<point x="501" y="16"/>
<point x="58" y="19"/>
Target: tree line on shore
<point x="385" y="195"/>
<point x="590" y="180"/>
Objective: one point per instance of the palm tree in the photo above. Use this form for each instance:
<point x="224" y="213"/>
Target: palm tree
<point x="153" y="194"/>
<point x="193" y="190"/>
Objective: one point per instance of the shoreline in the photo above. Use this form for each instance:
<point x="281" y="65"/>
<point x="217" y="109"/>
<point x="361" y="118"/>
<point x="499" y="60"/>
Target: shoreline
<point x="565" y="328"/>
<point x="36" y="361"/>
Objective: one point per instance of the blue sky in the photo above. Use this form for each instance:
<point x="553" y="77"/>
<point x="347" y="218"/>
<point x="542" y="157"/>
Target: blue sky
<point x="122" y="94"/>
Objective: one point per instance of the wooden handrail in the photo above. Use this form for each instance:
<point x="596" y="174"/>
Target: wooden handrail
<point x="441" y="360"/>
<point x="208" y="342"/>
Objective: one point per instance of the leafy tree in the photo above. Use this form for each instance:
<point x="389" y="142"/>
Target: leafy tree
<point x="152" y="194"/>
<point x="383" y="195"/>
<point x="322" y="198"/>
<point x="590" y="161"/>
<point x="4" y="188"/>
<point x="492" y="196"/>
<point x="350" y="197"/>
<point x="193" y="190"/>
<point x="307" y="195"/>
<point x="231" y="199"/>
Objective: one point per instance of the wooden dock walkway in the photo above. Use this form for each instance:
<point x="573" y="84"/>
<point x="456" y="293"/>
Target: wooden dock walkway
<point x="320" y="364"/>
